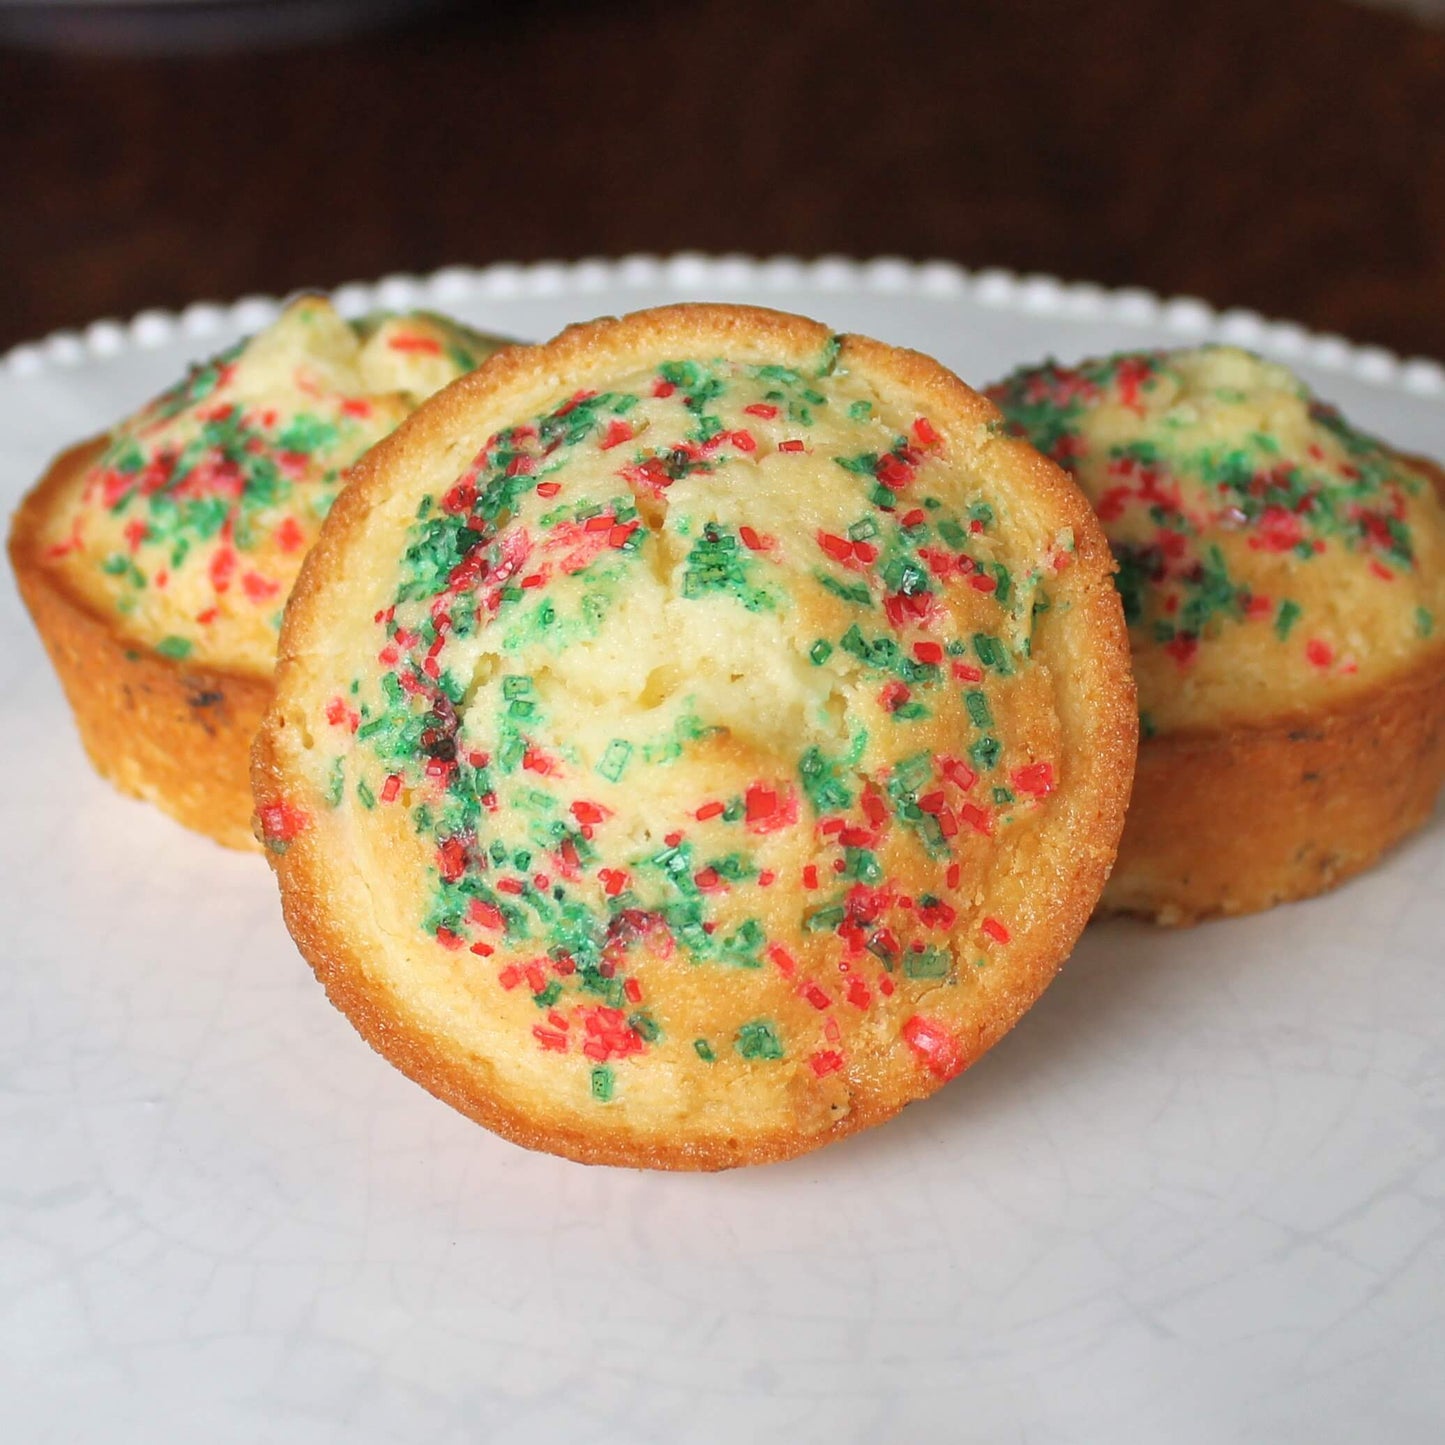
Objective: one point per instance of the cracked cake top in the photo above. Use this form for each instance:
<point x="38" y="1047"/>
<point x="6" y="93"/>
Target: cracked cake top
<point x="1271" y="557"/>
<point x="729" y="727"/>
<point x="188" y="527"/>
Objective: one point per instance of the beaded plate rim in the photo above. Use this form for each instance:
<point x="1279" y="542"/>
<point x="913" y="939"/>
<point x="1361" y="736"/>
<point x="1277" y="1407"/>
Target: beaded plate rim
<point x="1188" y="317"/>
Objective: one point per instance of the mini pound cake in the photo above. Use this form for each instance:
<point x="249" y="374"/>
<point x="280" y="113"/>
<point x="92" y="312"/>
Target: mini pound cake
<point x="1284" y="580"/>
<point x="156" y="560"/>
<point x="696" y="738"/>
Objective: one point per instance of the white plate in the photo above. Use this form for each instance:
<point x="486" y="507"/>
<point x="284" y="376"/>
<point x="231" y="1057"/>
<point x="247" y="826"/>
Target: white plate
<point x="1196" y="1196"/>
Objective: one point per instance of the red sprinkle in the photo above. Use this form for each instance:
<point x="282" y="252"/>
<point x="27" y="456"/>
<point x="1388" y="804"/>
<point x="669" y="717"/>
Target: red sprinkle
<point x="429" y="345"/>
<point x="550" y="1039"/>
<point x="977" y="819"/>
<point x="282" y="822"/>
<point x="815" y="995"/>
<point x="825" y="1062"/>
<point x="995" y="930"/>
<point x="787" y="964"/>
<point x="935" y="1046"/>
<point x="1036" y="779"/>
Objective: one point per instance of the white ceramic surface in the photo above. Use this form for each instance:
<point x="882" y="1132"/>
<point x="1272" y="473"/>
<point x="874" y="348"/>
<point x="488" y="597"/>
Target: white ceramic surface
<point x="1196" y="1196"/>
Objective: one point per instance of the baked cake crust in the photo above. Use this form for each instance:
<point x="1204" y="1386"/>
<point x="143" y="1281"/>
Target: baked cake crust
<point x="1279" y="793"/>
<point x="1326" y="795"/>
<point x="169" y="732"/>
<point x="332" y="906"/>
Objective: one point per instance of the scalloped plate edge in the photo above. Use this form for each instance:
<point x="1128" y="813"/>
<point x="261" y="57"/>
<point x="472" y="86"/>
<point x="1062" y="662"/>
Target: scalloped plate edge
<point x="1186" y="316"/>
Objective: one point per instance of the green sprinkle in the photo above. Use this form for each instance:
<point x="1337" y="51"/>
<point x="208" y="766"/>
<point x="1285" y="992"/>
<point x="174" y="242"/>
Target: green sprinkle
<point x="864" y="465"/>
<point x="1424" y="622"/>
<point x="704" y="1050"/>
<point x="992" y="653"/>
<point x="549" y="995"/>
<point x="176" y="648"/>
<point x="614" y="760"/>
<point x="602" y="1083"/>
<point x="931" y="963"/>
<point x="368" y="798"/>
<point x="822" y="782"/>
<point x="978" y="709"/>
<point x="825" y="919"/>
<point x="912" y="580"/>
<point x="759" y="1040"/>
<point x="822" y="650"/>
<point x="335" y="783"/>
<point x="984" y="754"/>
<point x="1286" y="617"/>
<point x="860" y="410"/>
<point x="644" y="1026"/>
<point x="849" y="593"/>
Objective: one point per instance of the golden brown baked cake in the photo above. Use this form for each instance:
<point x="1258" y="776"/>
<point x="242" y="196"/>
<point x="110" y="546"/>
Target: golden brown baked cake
<point x="156" y="560"/>
<point x="1284" y="580"/>
<point x="696" y="738"/>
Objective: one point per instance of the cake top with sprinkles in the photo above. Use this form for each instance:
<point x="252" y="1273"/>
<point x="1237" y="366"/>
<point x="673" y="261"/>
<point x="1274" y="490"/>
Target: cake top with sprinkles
<point x="729" y="728"/>
<point x="1271" y="557"/>
<point x="189" y="526"/>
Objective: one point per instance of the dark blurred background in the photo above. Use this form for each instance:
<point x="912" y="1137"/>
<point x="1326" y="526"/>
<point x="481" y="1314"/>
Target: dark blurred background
<point x="1284" y="155"/>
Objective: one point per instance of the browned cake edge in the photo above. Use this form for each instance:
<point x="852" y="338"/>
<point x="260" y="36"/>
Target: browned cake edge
<point x="1237" y="820"/>
<point x="172" y="733"/>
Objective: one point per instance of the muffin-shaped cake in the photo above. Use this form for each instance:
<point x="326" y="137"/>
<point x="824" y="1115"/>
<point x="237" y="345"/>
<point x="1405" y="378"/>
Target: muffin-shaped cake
<point x="156" y="560"/>
<point x="696" y="738"/>
<point x="1283" y="577"/>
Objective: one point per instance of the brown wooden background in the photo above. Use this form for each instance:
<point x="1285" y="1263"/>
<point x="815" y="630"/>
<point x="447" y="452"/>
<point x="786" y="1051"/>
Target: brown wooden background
<point x="1286" y="155"/>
